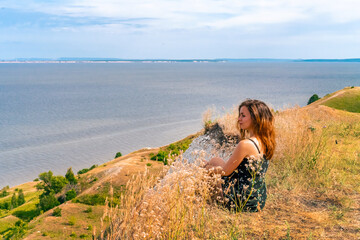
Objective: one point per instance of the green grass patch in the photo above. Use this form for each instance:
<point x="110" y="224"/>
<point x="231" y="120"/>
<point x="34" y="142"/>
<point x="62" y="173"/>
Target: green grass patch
<point x="91" y="199"/>
<point x="349" y="101"/>
<point x="26" y="211"/>
<point x="172" y="150"/>
<point x="29" y="210"/>
<point x="85" y="170"/>
<point x="28" y="214"/>
<point x="73" y="220"/>
<point x="6" y="223"/>
<point x="5" y="199"/>
<point x="100" y="197"/>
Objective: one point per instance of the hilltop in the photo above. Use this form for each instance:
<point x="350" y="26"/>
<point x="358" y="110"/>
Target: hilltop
<point x="313" y="184"/>
<point x="347" y="99"/>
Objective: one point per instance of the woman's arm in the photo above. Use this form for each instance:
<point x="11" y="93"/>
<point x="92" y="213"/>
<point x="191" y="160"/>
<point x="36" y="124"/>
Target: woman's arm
<point x="216" y="163"/>
<point x="243" y="149"/>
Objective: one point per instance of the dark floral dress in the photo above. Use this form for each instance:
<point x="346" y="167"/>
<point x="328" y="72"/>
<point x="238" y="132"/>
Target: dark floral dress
<point x="245" y="188"/>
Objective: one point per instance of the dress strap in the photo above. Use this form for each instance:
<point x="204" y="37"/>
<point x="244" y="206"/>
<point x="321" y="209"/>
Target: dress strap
<point x="255" y="144"/>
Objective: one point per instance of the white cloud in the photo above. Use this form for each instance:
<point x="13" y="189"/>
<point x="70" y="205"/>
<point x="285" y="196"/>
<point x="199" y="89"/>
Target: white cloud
<point x="201" y="28"/>
<point x="188" y="14"/>
<point x="260" y="17"/>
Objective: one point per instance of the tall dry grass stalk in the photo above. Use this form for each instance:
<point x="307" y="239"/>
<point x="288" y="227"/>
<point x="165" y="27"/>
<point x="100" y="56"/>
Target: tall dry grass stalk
<point x="300" y="152"/>
<point x="227" y="119"/>
<point x="228" y="122"/>
<point x="174" y="207"/>
<point x="208" y="118"/>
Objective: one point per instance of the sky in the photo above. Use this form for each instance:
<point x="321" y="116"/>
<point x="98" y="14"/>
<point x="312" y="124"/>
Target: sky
<point x="179" y="29"/>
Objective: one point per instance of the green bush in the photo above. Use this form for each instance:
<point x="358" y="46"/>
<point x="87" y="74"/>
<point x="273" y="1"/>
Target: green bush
<point x="16" y="232"/>
<point x="14" y="202"/>
<point x="5" y="205"/>
<point x="70" y="194"/>
<point x="173" y="149"/>
<point x="118" y="154"/>
<point x="88" y="210"/>
<point x="57" y="212"/>
<point x="160" y="156"/>
<point x="27" y="215"/>
<point x="82" y="171"/>
<point x="51" y="183"/>
<point x="4" y="193"/>
<point x="70" y="176"/>
<point x="85" y="170"/>
<point x="94" y="180"/>
<point x="94" y="199"/>
<point x="72" y="221"/>
<point x="93" y="166"/>
<point x="58" y="183"/>
<point x="313" y="98"/>
<point x="20" y="198"/>
<point x="48" y="201"/>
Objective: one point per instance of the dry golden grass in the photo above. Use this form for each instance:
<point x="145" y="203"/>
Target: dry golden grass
<point x="172" y="207"/>
<point x="116" y="172"/>
<point x="313" y="188"/>
<point x="119" y="171"/>
<point x="76" y="221"/>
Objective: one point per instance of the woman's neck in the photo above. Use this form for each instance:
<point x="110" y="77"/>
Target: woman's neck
<point x="251" y="133"/>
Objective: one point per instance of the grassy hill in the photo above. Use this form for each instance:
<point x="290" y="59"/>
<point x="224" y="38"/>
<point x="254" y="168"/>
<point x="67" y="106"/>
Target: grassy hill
<point x="313" y="185"/>
<point x="347" y="99"/>
<point x="81" y="217"/>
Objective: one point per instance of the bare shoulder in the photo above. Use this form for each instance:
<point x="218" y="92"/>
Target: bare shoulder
<point x="245" y="143"/>
<point x="247" y="146"/>
<point x="242" y="150"/>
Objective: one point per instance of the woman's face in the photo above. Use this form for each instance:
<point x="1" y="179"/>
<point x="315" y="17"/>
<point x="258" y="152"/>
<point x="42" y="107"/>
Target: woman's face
<point x="244" y="119"/>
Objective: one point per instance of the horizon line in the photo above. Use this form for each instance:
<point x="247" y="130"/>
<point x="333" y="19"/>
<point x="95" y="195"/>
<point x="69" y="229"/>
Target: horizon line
<point x="100" y="59"/>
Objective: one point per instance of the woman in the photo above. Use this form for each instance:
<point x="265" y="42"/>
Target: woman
<point x="244" y="186"/>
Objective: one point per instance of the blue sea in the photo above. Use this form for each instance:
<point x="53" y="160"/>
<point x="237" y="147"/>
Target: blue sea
<point x="56" y="116"/>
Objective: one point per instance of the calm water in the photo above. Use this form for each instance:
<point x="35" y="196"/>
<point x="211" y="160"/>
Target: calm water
<point x="53" y="116"/>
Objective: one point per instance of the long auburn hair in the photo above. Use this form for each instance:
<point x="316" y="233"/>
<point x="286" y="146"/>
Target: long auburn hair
<point x="263" y="123"/>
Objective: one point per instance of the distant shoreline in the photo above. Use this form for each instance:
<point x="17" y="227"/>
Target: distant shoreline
<point x="112" y="60"/>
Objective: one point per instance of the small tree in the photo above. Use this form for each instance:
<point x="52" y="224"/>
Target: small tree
<point x="70" y="194"/>
<point x="70" y="176"/>
<point x="51" y="183"/>
<point x="14" y="202"/>
<point x="118" y="154"/>
<point x="58" y="183"/>
<point x="46" y="181"/>
<point x="313" y="98"/>
<point x="21" y="198"/>
<point x="48" y="201"/>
